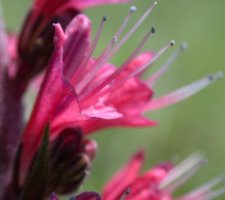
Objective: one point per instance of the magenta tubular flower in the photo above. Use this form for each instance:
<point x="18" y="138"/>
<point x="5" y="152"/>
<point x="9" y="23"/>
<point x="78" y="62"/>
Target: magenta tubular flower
<point x="35" y="41"/>
<point x="90" y="93"/>
<point x="160" y="182"/>
<point x="23" y="58"/>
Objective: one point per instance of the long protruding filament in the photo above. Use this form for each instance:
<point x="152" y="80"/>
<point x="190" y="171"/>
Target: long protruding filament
<point x="132" y="30"/>
<point x="182" y="172"/>
<point x="155" y="77"/>
<point x="123" y="66"/>
<point x="183" y="92"/>
<point x="94" y="43"/>
<point x="109" y="52"/>
<point x="152" y="61"/>
<point x="125" y="22"/>
<point x="95" y="90"/>
<point x="213" y="195"/>
<point x="139" y="70"/>
<point x="104" y="56"/>
<point x="205" y="191"/>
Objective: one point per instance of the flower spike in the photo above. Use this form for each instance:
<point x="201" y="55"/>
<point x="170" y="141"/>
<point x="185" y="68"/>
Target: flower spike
<point x="85" y="94"/>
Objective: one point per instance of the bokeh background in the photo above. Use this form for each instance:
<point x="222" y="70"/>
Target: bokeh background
<point x="196" y="124"/>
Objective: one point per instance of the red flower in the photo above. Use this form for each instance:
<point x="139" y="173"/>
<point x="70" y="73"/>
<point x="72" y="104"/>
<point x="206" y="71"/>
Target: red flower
<point x="35" y="44"/>
<point x="85" y="92"/>
<point x="160" y="182"/>
<point x="131" y="183"/>
<point x="58" y="6"/>
<point x="79" y="95"/>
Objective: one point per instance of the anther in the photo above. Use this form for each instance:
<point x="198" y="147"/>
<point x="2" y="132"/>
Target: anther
<point x="184" y="45"/>
<point x="153" y="30"/>
<point x="172" y="43"/>
<point x="110" y="50"/>
<point x="131" y="32"/>
<point x="133" y="9"/>
<point x="125" y="22"/>
<point x="105" y="55"/>
<point x="216" y="76"/>
<point x="93" y="45"/>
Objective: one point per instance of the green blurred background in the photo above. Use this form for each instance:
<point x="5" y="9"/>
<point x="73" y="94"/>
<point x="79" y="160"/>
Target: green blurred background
<point x="196" y="124"/>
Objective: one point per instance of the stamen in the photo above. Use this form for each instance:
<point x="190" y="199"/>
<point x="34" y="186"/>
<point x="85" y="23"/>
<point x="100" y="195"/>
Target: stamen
<point x="105" y="54"/>
<point x="155" y="77"/>
<point x="183" y="92"/>
<point x="93" y="91"/>
<point x="182" y="172"/>
<point x="215" y="194"/>
<point x="96" y="39"/>
<point x="97" y="36"/>
<point x="152" y="61"/>
<point x="205" y="191"/>
<point x="93" y="45"/>
<point x="126" y="20"/>
<point x="132" y="30"/>
<point x="109" y="52"/>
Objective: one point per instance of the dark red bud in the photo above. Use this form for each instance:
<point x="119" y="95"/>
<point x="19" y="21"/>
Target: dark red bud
<point x="69" y="163"/>
<point x="35" y="44"/>
<point x="88" y="196"/>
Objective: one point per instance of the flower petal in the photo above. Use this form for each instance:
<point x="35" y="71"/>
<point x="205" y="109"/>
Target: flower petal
<point x="104" y="112"/>
<point x="58" y="6"/>
<point x="55" y="95"/>
<point x="130" y="97"/>
<point x="124" y="178"/>
<point x="93" y="125"/>
<point x="76" y="44"/>
<point x="136" y="63"/>
<point x="82" y="4"/>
